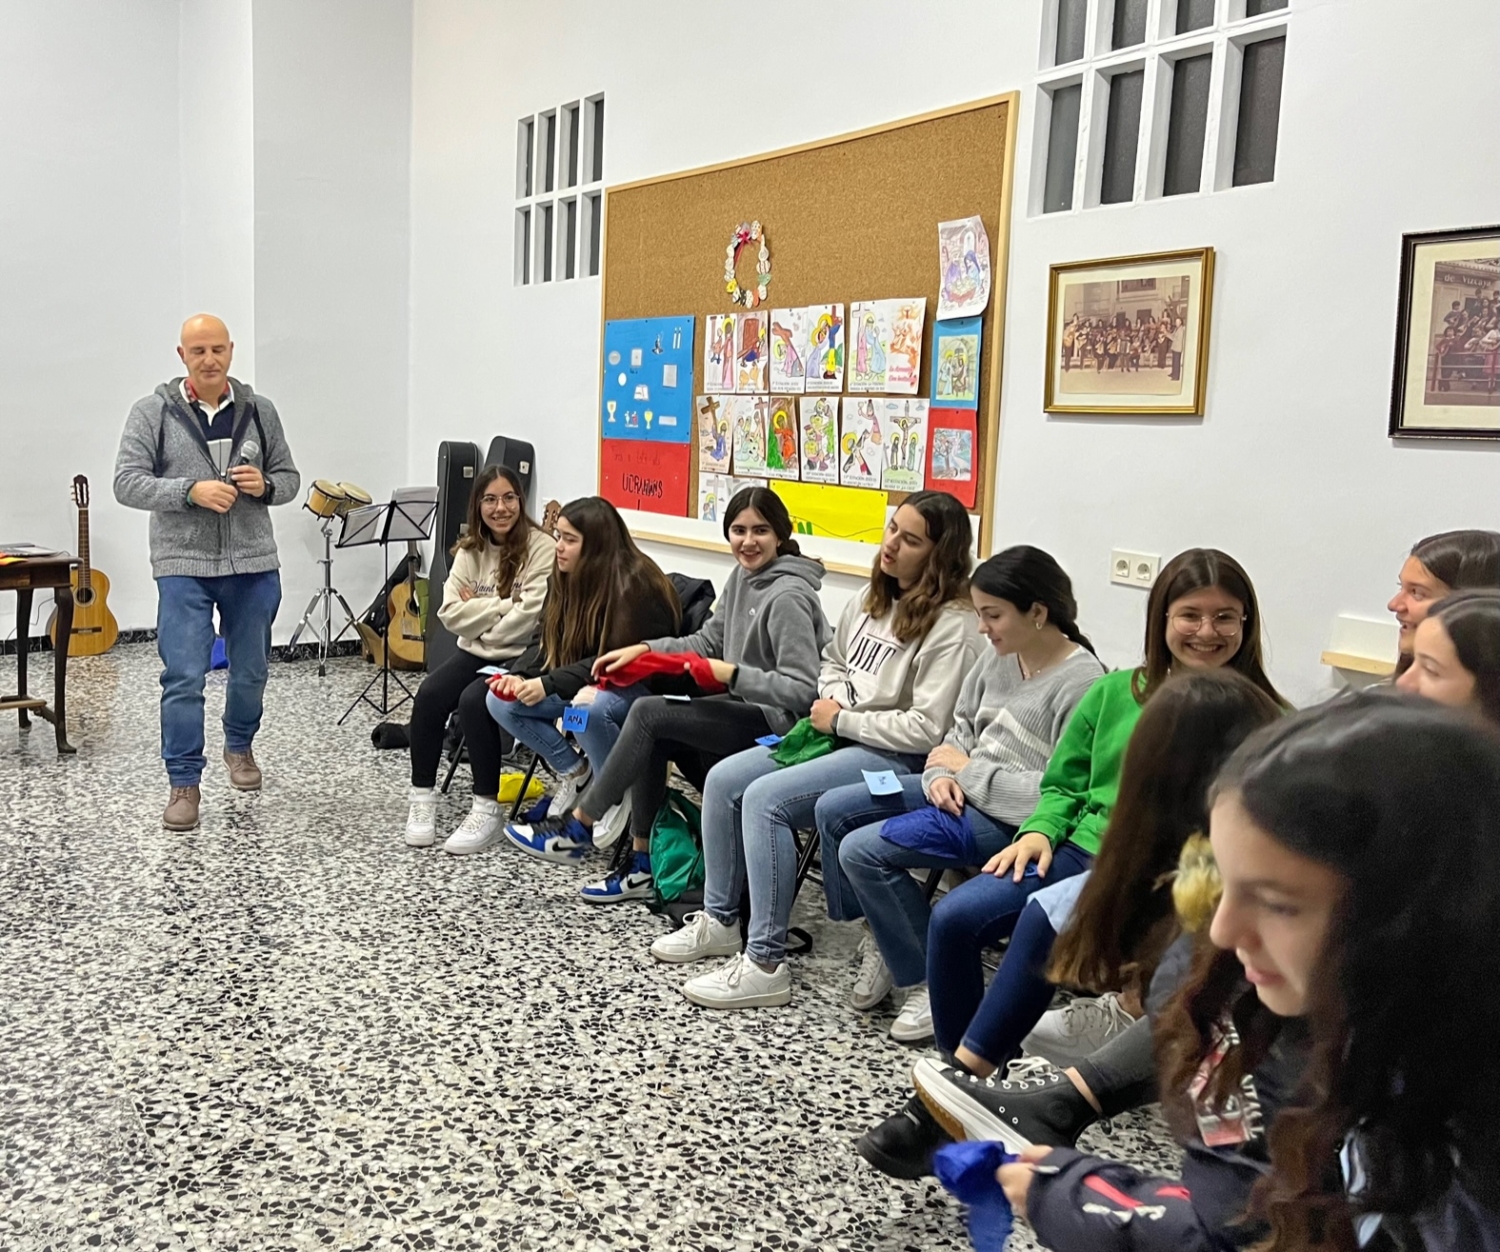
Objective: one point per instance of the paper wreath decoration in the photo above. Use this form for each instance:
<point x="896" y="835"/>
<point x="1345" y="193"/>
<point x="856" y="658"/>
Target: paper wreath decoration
<point x="747" y="232"/>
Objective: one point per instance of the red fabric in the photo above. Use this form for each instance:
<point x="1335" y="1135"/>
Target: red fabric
<point x="650" y="664"/>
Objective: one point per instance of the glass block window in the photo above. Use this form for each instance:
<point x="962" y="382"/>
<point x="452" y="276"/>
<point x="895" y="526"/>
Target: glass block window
<point x="559" y="192"/>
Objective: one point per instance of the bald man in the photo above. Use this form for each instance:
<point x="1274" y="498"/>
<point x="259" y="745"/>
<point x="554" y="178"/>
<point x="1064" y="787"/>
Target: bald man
<point x="206" y="457"/>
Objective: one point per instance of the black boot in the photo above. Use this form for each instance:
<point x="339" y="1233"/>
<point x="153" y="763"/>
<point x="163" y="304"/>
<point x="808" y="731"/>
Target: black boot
<point x="1039" y="1107"/>
<point x="902" y="1146"/>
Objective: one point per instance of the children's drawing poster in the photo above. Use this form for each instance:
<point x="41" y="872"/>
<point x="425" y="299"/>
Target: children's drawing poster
<point x="819" y="439"/>
<point x="748" y="424"/>
<point x="719" y="352"/>
<point x="715" y="491"/>
<point x="905" y="461"/>
<point x="781" y="438"/>
<point x="715" y="442"/>
<point x="647" y="386"/>
<point x="838" y="512"/>
<point x="753" y="353"/>
<point x="861" y="445"/>
<point x="886" y="345"/>
<point x="953" y="441"/>
<point x="964" y="264"/>
<point x="955" y="364"/>
<point x="789" y="350"/>
<point x="645" y="475"/>
<point x="823" y="351"/>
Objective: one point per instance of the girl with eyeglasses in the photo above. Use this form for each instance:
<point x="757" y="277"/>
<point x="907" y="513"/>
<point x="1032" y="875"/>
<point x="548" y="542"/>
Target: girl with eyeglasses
<point x="491" y="603"/>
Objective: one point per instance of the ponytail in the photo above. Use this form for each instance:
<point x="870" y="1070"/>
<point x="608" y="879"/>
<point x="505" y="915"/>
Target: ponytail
<point x="769" y="505"/>
<point x="1025" y="576"/>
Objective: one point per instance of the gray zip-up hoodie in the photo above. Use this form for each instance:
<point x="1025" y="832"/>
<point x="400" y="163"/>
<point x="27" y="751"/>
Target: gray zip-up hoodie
<point x="770" y="626"/>
<point x="163" y="452"/>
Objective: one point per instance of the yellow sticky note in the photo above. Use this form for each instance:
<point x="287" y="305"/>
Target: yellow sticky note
<point x="837" y="512"/>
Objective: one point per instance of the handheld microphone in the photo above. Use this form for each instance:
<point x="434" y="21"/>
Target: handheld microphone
<point x="249" y="450"/>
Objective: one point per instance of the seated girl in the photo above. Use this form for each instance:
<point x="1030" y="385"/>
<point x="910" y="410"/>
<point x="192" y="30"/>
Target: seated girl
<point x="762" y="644"/>
<point x="491" y="603"/>
<point x="1330" y="1070"/>
<point x="1451" y="561"/>
<point x="1202" y="614"/>
<point x="603" y="592"/>
<point x="888" y="685"/>
<point x="987" y="773"/>
<point x="1455" y="653"/>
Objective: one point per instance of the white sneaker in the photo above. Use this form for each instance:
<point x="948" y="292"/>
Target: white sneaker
<point x="1071" y="1034"/>
<point x="914" y="1023"/>
<point x="421" y="818"/>
<point x="477" y="831"/>
<point x="701" y="936"/>
<point x="565" y="798"/>
<point x="741" y="984"/>
<point x="614" y="823"/>
<point x="873" y="982"/>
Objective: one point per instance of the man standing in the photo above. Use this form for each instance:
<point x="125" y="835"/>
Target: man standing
<point x="206" y="456"/>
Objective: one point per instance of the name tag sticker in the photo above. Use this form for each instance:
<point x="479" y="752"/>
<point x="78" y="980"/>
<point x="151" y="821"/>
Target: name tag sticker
<point x="769" y="741"/>
<point x="575" y="719"/>
<point x="882" y="782"/>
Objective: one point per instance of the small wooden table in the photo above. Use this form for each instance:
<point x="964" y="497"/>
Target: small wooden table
<point x="24" y="578"/>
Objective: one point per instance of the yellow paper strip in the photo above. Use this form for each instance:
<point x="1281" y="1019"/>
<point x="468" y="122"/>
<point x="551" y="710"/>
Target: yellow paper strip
<point x="855" y="513"/>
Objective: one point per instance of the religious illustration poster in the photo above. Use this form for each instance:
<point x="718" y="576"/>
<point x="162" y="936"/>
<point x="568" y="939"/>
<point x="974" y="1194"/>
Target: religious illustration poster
<point x="715" y="491"/>
<point x="952" y="442"/>
<point x="718" y="352"/>
<point x="748" y="418"/>
<point x="788" y="350"/>
<point x="781" y="441"/>
<point x="647" y="385"/>
<point x="651" y="477"/>
<point x="823" y="349"/>
<point x="964" y="267"/>
<point x="886" y="345"/>
<point x="819" y="439"/>
<point x="714" y="443"/>
<point x="860" y="442"/>
<point x="752" y="359"/>
<point x="955" y="363"/>
<point x="905" y="461"/>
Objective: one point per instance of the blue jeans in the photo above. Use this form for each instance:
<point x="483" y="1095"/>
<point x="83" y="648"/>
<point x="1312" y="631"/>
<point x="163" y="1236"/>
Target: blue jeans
<point x="970" y="918"/>
<point x="534" y="725"/>
<point x="751" y="806"/>
<point x="865" y="875"/>
<point x="247" y="605"/>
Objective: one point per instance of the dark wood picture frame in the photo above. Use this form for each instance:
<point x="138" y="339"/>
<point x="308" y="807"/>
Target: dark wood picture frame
<point x="1415" y="296"/>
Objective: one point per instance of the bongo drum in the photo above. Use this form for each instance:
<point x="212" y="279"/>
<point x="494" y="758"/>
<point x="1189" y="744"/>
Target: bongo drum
<point x="354" y="497"/>
<point x="325" y="499"/>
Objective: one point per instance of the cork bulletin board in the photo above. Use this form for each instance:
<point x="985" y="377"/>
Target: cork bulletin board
<point x="849" y="218"/>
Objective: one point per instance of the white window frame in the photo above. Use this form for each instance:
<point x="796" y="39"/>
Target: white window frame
<point x="529" y="264"/>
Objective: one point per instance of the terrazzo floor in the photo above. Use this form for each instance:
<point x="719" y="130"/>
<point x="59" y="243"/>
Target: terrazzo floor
<point x="287" y="1030"/>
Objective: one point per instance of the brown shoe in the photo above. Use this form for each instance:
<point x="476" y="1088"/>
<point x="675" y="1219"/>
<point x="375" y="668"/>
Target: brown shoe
<point x="244" y="773"/>
<point x="182" y="809"/>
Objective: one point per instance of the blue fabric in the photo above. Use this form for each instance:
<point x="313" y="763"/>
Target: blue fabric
<point x="932" y="829"/>
<point x="967" y="1172"/>
<point x="247" y="605"/>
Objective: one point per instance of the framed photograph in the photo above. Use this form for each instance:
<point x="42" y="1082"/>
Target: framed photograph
<point x="1448" y="336"/>
<point x="1130" y="334"/>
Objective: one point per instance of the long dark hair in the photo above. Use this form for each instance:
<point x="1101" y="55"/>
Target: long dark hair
<point x="515" y="544"/>
<point x="1124" y="913"/>
<point x="1400" y="796"/>
<point x="1472" y="620"/>
<point x="1184" y="574"/>
<point x="770" y="506"/>
<point x="1459" y="559"/>
<point x="1024" y="576"/>
<point x="945" y="577"/>
<point x="588" y="609"/>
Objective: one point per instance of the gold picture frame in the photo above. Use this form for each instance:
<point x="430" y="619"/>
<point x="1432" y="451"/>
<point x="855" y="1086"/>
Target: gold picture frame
<point x="1129" y="335"/>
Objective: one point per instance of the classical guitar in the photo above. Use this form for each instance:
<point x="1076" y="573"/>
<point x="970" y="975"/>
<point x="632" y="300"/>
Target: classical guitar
<point x="408" y="645"/>
<point x="94" y="627"/>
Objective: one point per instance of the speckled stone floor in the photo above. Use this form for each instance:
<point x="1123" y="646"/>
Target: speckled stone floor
<point x="287" y="1030"/>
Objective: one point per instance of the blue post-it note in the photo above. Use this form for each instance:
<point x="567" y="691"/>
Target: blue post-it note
<point x="882" y="782"/>
<point x="575" y="718"/>
<point x="769" y="741"/>
<point x="493" y="669"/>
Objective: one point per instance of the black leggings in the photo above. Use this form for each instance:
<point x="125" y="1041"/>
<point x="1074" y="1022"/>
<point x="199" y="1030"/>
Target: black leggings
<point x="694" y="735"/>
<point x="455" y="684"/>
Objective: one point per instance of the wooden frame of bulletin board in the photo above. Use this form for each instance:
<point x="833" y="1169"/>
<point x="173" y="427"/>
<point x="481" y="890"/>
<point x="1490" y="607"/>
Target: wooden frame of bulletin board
<point x="853" y="217"/>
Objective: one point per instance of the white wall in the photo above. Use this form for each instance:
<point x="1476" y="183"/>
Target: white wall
<point x="1291" y="470"/>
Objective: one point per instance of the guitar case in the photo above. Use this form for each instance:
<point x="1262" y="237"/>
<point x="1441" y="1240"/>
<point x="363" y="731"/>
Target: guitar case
<point x="457" y="464"/>
<point x="520" y="456"/>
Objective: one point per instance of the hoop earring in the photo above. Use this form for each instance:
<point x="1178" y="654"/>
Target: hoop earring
<point x="1038" y="624"/>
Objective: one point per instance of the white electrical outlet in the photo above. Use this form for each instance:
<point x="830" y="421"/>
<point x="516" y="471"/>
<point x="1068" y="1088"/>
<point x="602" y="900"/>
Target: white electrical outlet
<point x="1133" y="569"/>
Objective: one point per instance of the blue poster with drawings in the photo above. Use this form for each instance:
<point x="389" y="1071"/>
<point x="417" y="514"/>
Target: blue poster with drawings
<point x="646" y="390"/>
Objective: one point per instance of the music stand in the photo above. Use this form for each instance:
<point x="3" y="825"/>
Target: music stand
<point x="407" y="518"/>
